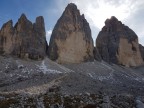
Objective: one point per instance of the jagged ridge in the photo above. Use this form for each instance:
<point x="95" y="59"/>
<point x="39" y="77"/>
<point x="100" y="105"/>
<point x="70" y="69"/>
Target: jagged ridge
<point x="24" y="40"/>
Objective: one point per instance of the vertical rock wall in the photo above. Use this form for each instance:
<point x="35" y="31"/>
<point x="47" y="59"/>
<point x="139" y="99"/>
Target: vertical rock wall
<point x="71" y="40"/>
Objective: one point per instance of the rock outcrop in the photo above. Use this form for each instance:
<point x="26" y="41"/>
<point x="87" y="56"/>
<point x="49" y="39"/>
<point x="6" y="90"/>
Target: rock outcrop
<point x="141" y="50"/>
<point x="97" y="55"/>
<point x="6" y="38"/>
<point x="25" y="39"/>
<point x="71" y="40"/>
<point x="118" y="44"/>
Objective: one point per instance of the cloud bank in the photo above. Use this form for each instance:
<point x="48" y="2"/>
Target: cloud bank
<point x="130" y="12"/>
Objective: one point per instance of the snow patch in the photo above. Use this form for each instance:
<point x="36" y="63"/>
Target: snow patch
<point x="19" y="75"/>
<point x="133" y="76"/>
<point x="101" y="78"/>
<point x="107" y="66"/>
<point x="63" y="68"/>
<point x="25" y="70"/>
<point x="45" y="69"/>
<point x="90" y="75"/>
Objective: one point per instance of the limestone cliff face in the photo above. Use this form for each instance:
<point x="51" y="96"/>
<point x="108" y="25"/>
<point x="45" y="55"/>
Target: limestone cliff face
<point x="25" y="40"/>
<point x="141" y="50"/>
<point x="118" y="44"/>
<point x="71" y="40"/>
<point x="6" y="38"/>
<point x="97" y="55"/>
<point x="129" y="53"/>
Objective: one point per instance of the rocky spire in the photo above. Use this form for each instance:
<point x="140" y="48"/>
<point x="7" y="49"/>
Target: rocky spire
<point x="141" y="50"/>
<point x="23" y="24"/>
<point x="7" y="31"/>
<point x="39" y="26"/>
<point x="118" y="44"/>
<point x="25" y="40"/>
<point x="71" y="40"/>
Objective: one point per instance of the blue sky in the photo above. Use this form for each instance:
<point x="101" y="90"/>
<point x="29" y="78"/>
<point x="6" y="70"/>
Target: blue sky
<point x="130" y="12"/>
<point x="12" y="9"/>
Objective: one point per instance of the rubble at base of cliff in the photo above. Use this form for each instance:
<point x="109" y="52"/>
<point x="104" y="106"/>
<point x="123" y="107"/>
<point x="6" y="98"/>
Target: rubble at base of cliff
<point x="46" y="84"/>
<point x="56" y="100"/>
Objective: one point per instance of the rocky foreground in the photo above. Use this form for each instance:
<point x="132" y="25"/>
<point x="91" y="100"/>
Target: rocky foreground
<point x="46" y="84"/>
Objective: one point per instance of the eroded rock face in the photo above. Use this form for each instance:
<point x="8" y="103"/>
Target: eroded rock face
<point x="141" y="50"/>
<point x="97" y="56"/>
<point x="25" y="39"/>
<point x="118" y="44"/>
<point x="71" y="40"/>
<point x="6" y="38"/>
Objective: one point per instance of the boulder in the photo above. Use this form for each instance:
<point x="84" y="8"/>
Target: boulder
<point x="71" y="40"/>
<point x="117" y="43"/>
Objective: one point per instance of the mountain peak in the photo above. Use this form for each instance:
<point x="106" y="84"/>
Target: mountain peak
<point x="40" y="20"/>
<point x="71" y="9"/>
<point x="9" y="23"/>
<point x="25" y="40"/>
<point x="23" y="16"/>
<point x="118" y="44"/>
<point x="71" y="5"/>
<point x="71" y="40"/>
<point x="112" y="20"/>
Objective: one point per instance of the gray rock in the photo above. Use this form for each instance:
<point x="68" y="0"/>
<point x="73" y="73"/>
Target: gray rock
<point x="141" y="50"/>
<point x="97" y="56"/>
<point x="117" y="43"/>
<point x="71" y="40"/>
<point x="6" y="38"/>
<point x="139" y="103"/>
<point x="25" y="39"/>
<point x="106" y="102"/>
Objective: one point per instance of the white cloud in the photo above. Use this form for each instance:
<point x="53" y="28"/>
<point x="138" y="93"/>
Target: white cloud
<point x="97" y="11"/>
<point x="48" y="35"/>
